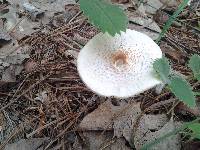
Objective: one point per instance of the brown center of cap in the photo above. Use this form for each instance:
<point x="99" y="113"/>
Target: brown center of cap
<point x="120" y="59"/>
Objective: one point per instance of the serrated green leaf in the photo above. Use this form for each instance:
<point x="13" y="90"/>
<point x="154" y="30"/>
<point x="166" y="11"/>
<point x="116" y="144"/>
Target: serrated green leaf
<point x="194" y="64"/>
<point x="195" y="128"/>
<point x="182" y="90"/>
<point x="109" y="18"/>
<point x="162" y="67"/>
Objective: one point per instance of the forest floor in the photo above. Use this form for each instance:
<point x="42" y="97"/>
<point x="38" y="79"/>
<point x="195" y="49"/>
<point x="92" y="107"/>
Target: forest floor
<point x="45" y="105"/>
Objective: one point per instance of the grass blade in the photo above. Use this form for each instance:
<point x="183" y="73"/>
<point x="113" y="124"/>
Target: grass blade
<point x="171" y="19"/>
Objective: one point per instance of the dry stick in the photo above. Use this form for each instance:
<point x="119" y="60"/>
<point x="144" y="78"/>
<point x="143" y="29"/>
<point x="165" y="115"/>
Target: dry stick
<point x="63" y="132"/>
<point x="176" y="103"/>
<point x="67" y="38"/>
<point x="43" y="127"/>
<point x="189" y="19"/>
<point x="162" y="95"/>
<point x="178" y="45"/>
<point x="26" y="17"/>
<point x="113" y="140"/>
<point x="31" y="87"/>
<point x="80" y="12"/>
<point x="161" y="103"/>
<point x="68" y="45"/>
<point x="64" y="31"/>
<point x="69" y="23"/>
<point x="20" y="86"/>
<point x="1" y="93"/>
<point x="23" y="43"/>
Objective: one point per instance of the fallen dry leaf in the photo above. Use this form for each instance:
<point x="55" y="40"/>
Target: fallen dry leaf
<point x="120" y="118"/>
<point x="12" y="58"/>
<point x="107" y="114"/>
<point x="8" y="75"/>
<point x="145" y="22"/>
<point x="140" y="22"/>
<point x="151" y="6"/>
<point x="170" y="3"/>
<point x="101" y="118"/>
<point x="4" y="38"/>
<point x="124" y="123"/>
<point x="152" y="35"/>
<point x="161" y="17"/>
<point x="151" y="127"/>
<point x="27" y="144"/>
<point x="95" y="140"/>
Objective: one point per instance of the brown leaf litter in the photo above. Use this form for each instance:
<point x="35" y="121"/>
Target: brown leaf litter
<point x="97" y="140"/>
<point x="108" y="115"/>
<point x="27" y="144"/>
<point x="123" y="119"/>
<point x="151" y="127"/>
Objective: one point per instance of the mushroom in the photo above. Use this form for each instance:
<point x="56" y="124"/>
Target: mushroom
<point x="119" y="66"/>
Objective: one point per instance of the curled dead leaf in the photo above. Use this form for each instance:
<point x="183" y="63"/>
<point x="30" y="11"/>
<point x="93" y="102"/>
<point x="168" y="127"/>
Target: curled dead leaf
<point x="151" y="127"/>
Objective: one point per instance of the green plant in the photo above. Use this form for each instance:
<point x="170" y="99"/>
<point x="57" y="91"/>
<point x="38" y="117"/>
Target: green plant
<point x="108" y="17"/>
<point x="163" y="69"/>
<point x="179" y="86"/>
<point x="172" y="18"/>
<point x="194" y="64"/>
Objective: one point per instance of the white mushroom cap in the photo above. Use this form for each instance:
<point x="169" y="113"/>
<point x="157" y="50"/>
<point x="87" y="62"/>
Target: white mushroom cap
<point x="119" y="66"/>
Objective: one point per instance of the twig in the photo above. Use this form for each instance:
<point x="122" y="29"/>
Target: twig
<point x="72" y="19"/>
<point x="43" y="127"/>
<point x="31" y="87"/>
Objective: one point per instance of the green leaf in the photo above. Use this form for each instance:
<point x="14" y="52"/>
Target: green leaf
<point x="182" y="90"/>
<point x="194" y="64"/>
<point x="162" y="67"/>
<point x="199" y="24"/>
<point x="109" y="18"/>
<point x="195" y="128"/>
